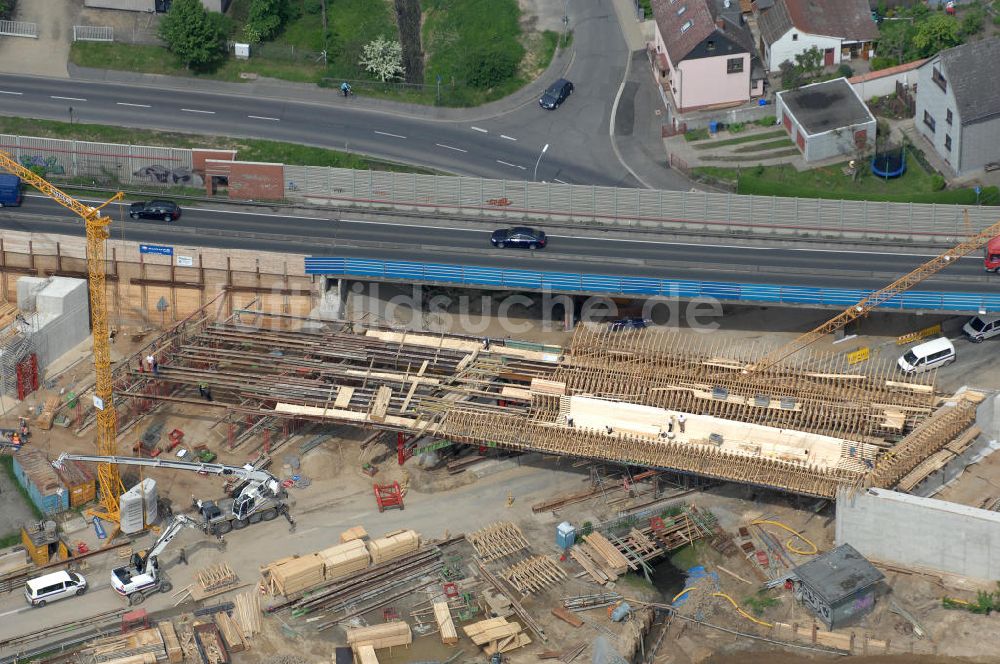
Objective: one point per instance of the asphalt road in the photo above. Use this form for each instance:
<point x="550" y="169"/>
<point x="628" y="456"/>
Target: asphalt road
<point x="578" y="251"/>
<point x="505" y="146"/>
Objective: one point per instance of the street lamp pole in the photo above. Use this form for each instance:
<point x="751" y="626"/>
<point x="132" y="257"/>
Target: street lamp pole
<point x="534" y="178"/>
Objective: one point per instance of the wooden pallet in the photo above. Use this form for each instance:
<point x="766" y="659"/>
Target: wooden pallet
<point x="533" y="574"/>
<point x="497" y="540"/>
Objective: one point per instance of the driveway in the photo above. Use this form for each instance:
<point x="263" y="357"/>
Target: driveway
<point x="47" y="55"/>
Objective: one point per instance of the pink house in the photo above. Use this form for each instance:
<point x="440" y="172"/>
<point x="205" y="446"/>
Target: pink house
<point x="704" y="54"/>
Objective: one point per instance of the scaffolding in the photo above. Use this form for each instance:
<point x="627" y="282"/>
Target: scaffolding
<point x="17" y="373"/>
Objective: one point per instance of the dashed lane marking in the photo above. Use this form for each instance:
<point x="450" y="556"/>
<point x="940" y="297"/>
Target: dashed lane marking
<point x="449" y="147"/>
<point x="385" y="133"/>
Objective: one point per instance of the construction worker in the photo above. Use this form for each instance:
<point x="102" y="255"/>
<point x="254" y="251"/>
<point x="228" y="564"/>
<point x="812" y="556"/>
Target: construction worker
<point x="15" y="439"/>
<point x="182" y="557"/>
<point x="680" y="421"/>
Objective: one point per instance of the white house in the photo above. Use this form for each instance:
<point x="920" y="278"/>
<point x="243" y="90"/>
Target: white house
<point x="841" y="29"/>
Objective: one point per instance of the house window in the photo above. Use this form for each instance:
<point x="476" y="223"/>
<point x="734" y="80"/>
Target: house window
<point x="734" y="65"/>
<point x="683" y="9"/>
<point x="948" y="117"/>
<point x="710" y="45"/>
<point x="939" y="79"/>
<point x="687" y="26"/>
<point x="795" y="36"/>
<point x="947" y="142"/>
<point x="929" y="121"/>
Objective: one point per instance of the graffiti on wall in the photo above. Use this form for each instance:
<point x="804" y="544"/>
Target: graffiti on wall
<point x="178" y="175"/>
<point x="42" y="165"/>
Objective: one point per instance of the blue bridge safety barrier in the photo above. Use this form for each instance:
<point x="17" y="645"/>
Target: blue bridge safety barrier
<point x="596" y="284"/>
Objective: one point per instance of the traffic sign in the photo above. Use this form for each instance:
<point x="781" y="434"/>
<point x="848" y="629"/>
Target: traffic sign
<point x="157" y="249"/>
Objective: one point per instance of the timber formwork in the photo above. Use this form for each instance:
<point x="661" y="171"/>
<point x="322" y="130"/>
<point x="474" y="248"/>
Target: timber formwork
<point x="815" y="392"/>
<point x="453" y="387"/>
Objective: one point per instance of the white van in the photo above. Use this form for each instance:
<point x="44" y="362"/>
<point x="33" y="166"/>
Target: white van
<point x="927" y="356"/>
<point x="982" y="327"/>
<point x="51" y="587"/>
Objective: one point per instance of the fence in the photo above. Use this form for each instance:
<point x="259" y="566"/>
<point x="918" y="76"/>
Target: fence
<point x="95" y="33"/>
<point x="480" y="277"/>
<point x="19" y="29"/>
<point x="693" y="212"/>
<point x="104" y="162"/>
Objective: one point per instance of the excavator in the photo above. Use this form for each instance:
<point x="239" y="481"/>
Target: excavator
<point x="142" y="576"/>
<point x="258" y="496"/>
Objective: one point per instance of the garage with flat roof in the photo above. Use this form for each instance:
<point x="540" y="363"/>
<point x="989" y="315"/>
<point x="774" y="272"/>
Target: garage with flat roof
<point x="826" y="120"/>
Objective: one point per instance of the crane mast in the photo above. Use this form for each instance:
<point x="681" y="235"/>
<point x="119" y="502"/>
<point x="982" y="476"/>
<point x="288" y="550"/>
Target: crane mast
<point x="97" y="233"/>
<point x="879" y="297"/>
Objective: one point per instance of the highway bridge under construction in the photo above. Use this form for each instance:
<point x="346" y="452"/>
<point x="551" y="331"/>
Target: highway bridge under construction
<point x="809" y="425"/>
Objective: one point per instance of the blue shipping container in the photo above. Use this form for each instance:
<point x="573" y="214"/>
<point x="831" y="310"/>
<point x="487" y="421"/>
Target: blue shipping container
<point x="34" y="472"/>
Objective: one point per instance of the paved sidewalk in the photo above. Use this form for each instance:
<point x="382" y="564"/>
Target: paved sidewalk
<point x="47" y="55"/>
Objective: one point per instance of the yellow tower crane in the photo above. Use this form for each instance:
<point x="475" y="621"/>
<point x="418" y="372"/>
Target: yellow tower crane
<point x="97" y="232"/>
<point x="879" y="297"/>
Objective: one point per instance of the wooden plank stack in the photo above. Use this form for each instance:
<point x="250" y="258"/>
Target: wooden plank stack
<point x="230" y="632"/>
<point x="386" y="635"/>
<point x="533" y="574"/>
<point x="605" y="554"/>
<point x="496" y="635"/>
<point x="247" y="615"/>
<point x="366" y="655"/>
<point x="132" y="645"/>
<point x="497" y="540"/>
<point x="217" y="577"/>
<point x="446" y="626"/>
<point x="289" y="576"/>
<point x="170" y="642"/>
<point x="345" y="559"/>
<point x="355" y="533"/>
<point x="597" y="573"/>
<point x="394" y="545"/>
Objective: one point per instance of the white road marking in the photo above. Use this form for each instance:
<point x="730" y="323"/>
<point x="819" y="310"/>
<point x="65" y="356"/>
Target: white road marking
<point x="507" y="163"/>
<point x="385" y="133"/>
<point x="481" y="130"/>
<point x="448" y="147"/>
<point x="7" y="613"/>
<point x="559" y="181"/>
<point x="6" y="92"/>
<point x="195" y="110"/>
<point x="122" y="103"/>
<point x="68" y="98"/>
<point x="264" y="117"/>
<point x="506" y="137"/>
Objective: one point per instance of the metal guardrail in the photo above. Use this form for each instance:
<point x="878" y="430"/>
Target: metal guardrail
<point x="97" y="33"/>
<point x="594" y="284"/>
<point x="19" y="29"/>
<point x="730" y="214"/>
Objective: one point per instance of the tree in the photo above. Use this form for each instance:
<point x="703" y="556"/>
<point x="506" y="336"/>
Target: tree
<point x="791" y="76"/>
<point x="894" y="40"/>
<point x="193" y="34"/>
<point x="7" y="8"/>
<point x="408" y="21"/>
<point x="265" y="19"/>
<point x="972" y="22"/>
<point x="810" y="62"/>
<point x="383" y="58"/>
<point x="936" y="33"/>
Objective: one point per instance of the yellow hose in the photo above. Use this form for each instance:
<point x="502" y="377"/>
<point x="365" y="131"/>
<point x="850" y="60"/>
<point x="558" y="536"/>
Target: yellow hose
<point x="788" y="544"/>
<point x="682" y="593"/>
<point x="741" y="611"/>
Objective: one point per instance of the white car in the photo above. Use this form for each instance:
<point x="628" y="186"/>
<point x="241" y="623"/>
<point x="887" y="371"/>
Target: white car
<point x="58" y="585"/>
<point x="980" y="328"/>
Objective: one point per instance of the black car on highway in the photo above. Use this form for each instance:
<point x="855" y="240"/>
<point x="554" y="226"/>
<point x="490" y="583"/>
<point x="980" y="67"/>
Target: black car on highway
<point x="556" y="94"/>
<point x="165" y="210"/>
<point x="520" y="237"/>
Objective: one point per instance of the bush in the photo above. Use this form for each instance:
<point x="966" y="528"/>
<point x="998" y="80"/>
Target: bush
<point x="767" y="121"/>
<point x="7" y="8"/>
<point x="696" y="134"/>
<point x="736" y="127"/>
<point x="845" y="71"/>
<point x="882" y="62"/>
<point x="265" y="20"/>
<point x="972" y="23"/>
<point x="937" y="182"/>
<point x="490" y="65"/>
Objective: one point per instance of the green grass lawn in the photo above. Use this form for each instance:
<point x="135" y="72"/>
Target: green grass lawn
<point x="914" y="186"/>
<point x="709" y="144"/>
<point x="453" y="32"/>
<point x="767" y="145"/>
<point x="249" y="149"/>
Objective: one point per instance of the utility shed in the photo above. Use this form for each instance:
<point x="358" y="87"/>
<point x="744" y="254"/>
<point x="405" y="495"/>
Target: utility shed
<point x="827" y="119"/>
<point x="838" y="586"/>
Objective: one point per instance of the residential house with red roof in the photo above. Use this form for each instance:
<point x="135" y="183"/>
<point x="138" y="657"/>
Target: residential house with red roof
<point x="842" y="30"/>
<point x="704" y="54"/>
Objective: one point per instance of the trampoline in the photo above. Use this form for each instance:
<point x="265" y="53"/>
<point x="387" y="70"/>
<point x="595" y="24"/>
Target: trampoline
<point x="890" y="163"/>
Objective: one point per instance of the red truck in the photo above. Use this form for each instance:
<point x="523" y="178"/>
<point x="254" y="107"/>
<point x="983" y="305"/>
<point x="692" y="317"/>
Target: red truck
<point x="991" y="258"/>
